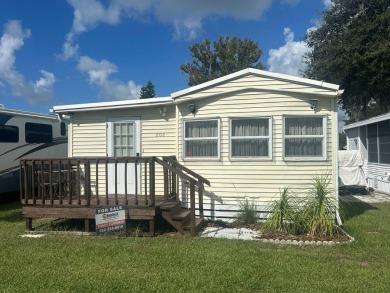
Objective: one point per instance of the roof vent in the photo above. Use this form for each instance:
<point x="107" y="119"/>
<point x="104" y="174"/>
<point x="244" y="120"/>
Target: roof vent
<point x="2" y="106"/>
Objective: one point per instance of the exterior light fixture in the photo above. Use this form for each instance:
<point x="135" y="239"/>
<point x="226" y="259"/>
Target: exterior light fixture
<point x="192" y="108"/>
<point x="313" y="103"/>
<point x="163" y="111"/>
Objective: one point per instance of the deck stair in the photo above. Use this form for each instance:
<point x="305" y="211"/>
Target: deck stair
<point x="179" y="217"/>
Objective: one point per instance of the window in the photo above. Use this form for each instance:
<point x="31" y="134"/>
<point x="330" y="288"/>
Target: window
<point x="38" y="133"/>
<point x="9" y="133"/>
<point x="63" y="128"/>
<point x="201" y="139"/>
<point x="250" y="138"/>
<point x="372" y="138"/>
<point x="305" y="137"/>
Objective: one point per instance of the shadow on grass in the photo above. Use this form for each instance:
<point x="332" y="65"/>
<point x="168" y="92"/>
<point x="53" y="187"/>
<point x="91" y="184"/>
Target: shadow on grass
<point x="352" y="209"/>
<point x="11" y="212"/>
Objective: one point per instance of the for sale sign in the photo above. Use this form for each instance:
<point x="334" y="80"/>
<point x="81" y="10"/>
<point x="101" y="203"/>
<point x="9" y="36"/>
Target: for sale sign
<point x="110" y="219"/>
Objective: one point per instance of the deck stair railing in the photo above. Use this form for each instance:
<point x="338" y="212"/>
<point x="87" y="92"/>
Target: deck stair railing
<point x="85" y="182"/>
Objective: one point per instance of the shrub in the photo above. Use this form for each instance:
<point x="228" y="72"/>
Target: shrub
<point x="284" y="217"/>
<point x="247" y="213"/>
<point x="320" y="207"/>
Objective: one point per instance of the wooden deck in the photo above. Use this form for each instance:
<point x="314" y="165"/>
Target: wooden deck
<point x="61" y="188"/>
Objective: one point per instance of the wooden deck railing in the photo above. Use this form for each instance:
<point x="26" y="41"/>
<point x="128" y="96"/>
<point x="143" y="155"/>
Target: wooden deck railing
<point x="85" y="181"/>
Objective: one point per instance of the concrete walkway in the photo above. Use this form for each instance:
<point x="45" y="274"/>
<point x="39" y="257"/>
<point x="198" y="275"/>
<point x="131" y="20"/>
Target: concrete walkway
<point x="373" y="197"/>
<point x="230" y="233"/>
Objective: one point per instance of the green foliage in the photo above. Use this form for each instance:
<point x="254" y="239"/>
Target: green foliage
<point x="226" y="55"/>
<point x="320" y="207"/>
<point x="351" y="48"/>
<point x="314" y="215"/>
<point x="147" y="91"/>
<point x="342" y="140"/>
<point x="282" y="215"/>
<point x="247" y="214"/>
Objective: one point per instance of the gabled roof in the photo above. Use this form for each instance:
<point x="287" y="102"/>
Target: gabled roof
<point x="368" y="121"/>
<point x="125" y="104"/>
<point x="241" y="73"/>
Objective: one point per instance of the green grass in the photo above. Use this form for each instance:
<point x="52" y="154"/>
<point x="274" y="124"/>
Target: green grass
<point x="66" y="263"/>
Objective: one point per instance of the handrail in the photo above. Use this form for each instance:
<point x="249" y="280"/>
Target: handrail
<point x="192" y="173"/>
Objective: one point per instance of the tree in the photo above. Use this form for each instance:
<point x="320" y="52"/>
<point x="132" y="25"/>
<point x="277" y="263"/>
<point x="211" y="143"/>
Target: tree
<point x="225" y="56"/>
<point x="147" y="91"/>
<point x="351" y="48"/>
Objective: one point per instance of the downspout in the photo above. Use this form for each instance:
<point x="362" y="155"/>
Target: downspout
<point x="336" y="130"/>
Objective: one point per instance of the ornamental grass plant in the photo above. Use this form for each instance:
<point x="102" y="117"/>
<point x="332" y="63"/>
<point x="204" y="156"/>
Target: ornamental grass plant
<point x="283" y="215"/>
<point x="319" y="210"/>
<point x="247" y="214"/>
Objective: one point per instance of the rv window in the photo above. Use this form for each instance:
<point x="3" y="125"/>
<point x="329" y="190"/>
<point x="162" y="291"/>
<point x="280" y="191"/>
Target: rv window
<point x="38" y="133"/>
<point x="9" y="133"/>
<point x="63" y="128"/>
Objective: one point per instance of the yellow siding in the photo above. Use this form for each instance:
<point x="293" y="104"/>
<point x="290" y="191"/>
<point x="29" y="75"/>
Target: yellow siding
<point x="157" y="138"/>
<point x="257" y="180"/>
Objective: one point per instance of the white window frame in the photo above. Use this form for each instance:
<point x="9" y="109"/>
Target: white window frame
<point x="269" y="137"/>
<point x="324" y="136"/>
<point x="184" y="139"/>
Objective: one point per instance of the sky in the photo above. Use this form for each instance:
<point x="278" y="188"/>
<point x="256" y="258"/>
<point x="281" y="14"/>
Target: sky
<point x="81" y="51"/>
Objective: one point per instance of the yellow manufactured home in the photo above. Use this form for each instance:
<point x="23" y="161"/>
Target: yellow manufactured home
<point x="250" y="133"/>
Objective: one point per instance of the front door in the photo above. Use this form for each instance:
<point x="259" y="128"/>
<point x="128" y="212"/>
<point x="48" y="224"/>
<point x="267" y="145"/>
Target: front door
<point x="123" y="141"/>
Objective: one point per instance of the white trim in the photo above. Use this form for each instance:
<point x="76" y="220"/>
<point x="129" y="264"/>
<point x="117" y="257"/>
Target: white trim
<point x="375" y="119"/>
<point x="28" y="114"/>
<point x="185" y="158"/>
<point x="113" y="105"/>
<point x="269" y="137"/>
<point x="324" y="136"/>
<point x="258" y="72"/>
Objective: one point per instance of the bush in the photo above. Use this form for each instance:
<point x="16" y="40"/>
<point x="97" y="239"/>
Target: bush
<point x="315" y="215"/>
<point x="248" y="213"/>
<point x="284" y="216"/>
<point x="320" y="208"/>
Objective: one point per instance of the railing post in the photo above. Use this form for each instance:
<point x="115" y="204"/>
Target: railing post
<point x="88" y="182"/>
<point x="192" y="201"/>
<point x="166" y="183"/>
<point x="152" y="181"/>
<point x="200" y="195"/>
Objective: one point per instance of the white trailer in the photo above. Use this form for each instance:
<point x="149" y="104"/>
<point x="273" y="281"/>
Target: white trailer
<point x="27" y="135"/>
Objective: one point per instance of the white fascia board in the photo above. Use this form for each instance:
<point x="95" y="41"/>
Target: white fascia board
<point x="29" y="114"/>
<point x="263" y="73"/>
<point x="258" y="88"/>
<point x="368" y="121"/>
<point x="139" y="103"/>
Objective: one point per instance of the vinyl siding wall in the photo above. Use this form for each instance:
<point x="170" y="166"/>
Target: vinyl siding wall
<point x="157" y="138"/>
<point x="257" y="180"/>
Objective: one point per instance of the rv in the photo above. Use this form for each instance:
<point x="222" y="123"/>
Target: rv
<point x="27" y="135"/>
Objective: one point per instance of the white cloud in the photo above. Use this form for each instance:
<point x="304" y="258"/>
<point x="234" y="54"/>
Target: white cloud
<point x="99" y="76"/>
<point x="11" y="41"/>
<point x="327" y="3"/>
<point x="185" y="17"/>
<point x="288" y="58"/>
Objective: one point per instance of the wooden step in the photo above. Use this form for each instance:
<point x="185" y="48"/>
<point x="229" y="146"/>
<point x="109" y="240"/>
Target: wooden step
<point x="198" y="224"/>
<point x="169" y="205"/>
<point x="181" y="215"/>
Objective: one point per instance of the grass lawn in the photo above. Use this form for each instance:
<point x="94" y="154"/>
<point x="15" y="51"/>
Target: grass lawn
<point x="68" y="263"/>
